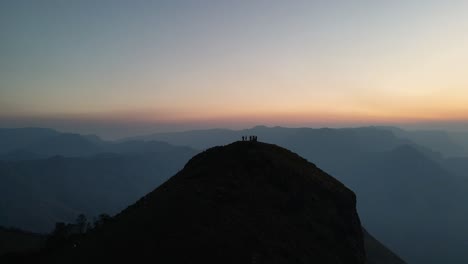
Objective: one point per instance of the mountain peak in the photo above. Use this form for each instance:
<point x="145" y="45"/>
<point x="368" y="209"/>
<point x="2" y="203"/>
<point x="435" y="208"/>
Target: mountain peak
<point x="246" y="202"/>
<point x="253" y="156"/>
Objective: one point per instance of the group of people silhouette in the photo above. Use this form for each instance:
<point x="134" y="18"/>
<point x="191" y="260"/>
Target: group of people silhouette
<point x="249" y="138"/>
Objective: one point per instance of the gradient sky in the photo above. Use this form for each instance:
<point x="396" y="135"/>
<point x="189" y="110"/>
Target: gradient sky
<point x="233" y="63"/>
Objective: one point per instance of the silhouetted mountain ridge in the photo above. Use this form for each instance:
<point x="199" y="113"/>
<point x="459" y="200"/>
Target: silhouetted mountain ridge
<point x="241" y="203"/>
<point x="25" y="144"/>
<point x="450" y="144"/>
<point x="389" y="174"/>
<point x="406" y="192"/>
<point x="16" y="138"/>
<point x="34" y="194"/>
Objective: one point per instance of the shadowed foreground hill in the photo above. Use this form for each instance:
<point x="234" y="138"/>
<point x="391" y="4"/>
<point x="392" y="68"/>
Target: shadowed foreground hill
<point x="407" y="194"/>
<point x="377" y="253"/>
<point x="247" y="202"/>
<point x="14" y="240"/>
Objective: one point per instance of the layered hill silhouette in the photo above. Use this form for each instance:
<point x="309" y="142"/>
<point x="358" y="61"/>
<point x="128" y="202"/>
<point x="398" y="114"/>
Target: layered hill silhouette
<point x="35" y="194"/>
<point x="18" y="144"/>
<point x="247" y="202"/>
<point x="48" y="176"/>
<point x="407" y="193"/>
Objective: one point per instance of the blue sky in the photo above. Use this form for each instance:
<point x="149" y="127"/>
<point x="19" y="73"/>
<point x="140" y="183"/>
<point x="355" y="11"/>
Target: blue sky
<point x="182" y="64"/>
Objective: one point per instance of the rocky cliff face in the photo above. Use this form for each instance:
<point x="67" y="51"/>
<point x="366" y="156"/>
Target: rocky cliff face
<point x="247" y="202"/>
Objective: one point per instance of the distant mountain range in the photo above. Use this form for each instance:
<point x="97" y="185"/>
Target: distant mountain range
<point x="449" y="144"/>
<point x="36" y="143"/>
<point x="410" y="195"/>
<point x="52" y="177"/>
<point x="248" y="202"/>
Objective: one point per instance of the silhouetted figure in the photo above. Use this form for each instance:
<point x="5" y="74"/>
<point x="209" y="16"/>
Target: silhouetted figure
<point x="253" y="138"/>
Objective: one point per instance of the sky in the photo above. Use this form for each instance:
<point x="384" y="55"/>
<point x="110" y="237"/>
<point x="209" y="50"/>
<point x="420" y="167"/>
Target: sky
<point x="140" y="66"/>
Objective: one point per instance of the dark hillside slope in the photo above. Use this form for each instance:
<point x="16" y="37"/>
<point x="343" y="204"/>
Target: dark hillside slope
<point x="247" y="202"/>
<point x="15" y="240"/>
<point x="407" y="194"/>
<point x="377" y="253"/>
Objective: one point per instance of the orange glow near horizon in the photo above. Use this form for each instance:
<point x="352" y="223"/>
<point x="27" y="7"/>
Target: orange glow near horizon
<point x="297" y="63"/>
<point x="344" y="117"/>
